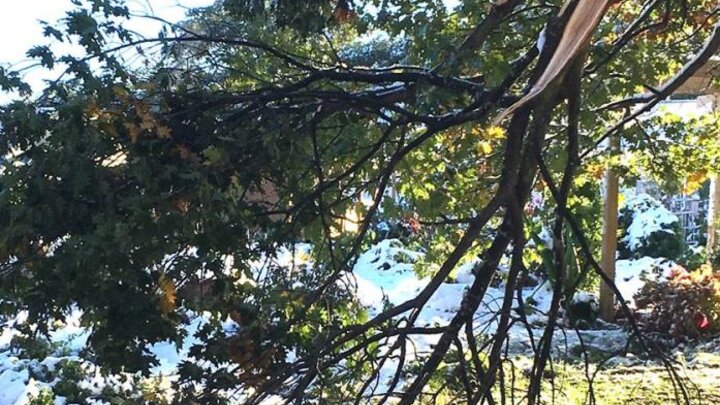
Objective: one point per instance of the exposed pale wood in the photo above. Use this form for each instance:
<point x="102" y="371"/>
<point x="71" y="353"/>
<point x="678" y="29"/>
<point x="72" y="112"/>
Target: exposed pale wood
<point x="582" y="23"/>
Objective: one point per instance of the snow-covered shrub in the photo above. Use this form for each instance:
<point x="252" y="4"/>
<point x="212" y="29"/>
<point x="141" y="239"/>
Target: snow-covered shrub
<point x="649" y="229"/>
<point x="70" y="375"/>
<point x="44" y="397"/>
<point x="687" y="305"/>
<point x="582" y="310"/>
<point x="693" y="257"/>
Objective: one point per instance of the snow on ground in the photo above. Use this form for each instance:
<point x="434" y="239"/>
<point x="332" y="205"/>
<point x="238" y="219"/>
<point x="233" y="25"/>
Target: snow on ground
<point x="630" y="274"/>
<point x="18" y="386"/>
<point x="385" y="276"/>
<point x="386" y="272"/>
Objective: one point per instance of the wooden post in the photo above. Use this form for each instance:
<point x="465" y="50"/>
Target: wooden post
<point x="713" y="214"/>
<point x="609" y="235"/>
<point x="712" y="217"/>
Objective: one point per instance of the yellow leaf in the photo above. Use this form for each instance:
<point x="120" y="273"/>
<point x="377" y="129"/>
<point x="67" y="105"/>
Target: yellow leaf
<point x="485" y="148"/>
<point x="694" y="182"/>
<point x="489" y="133"/>
<point x="168" y="295"/>
<point x="494" y="132"/>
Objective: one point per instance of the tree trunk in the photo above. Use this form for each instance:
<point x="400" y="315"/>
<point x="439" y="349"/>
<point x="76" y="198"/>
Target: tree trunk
<point x="609" y="237"/>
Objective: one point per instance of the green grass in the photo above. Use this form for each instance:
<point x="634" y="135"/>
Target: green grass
<point x="621" y="384"/>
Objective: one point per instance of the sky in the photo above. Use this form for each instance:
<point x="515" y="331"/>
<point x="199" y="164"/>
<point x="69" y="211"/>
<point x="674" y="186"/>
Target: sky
<point x="20" y="28"/>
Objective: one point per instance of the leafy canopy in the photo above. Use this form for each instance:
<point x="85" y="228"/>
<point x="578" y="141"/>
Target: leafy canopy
<point x="164" y="177"/>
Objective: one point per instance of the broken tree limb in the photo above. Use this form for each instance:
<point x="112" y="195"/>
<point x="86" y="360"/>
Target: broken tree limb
<point x="583" y="21"/>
